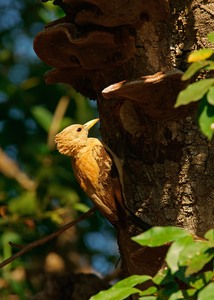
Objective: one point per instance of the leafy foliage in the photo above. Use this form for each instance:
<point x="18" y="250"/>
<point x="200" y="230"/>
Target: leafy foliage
<point x="38" y="191"/>
<point x="202" y="90"/>
<point x="27" y="108"/>
<point x="123" y="289"/>
<point x="188" y="273"/>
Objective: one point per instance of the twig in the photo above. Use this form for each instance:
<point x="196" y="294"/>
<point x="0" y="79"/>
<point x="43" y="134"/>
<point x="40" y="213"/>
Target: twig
<point x="16" y="245"/>
<point x="47" y="238"/>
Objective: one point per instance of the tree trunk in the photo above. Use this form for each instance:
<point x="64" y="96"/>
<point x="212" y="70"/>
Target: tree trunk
<point x="129" y="56"/>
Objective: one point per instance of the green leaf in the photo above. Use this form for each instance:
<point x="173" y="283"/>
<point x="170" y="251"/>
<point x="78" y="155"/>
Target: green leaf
<point x="209" y="235"/>
<point x="206" y="118"/>
<point x="158" y="236"/>
<point x="6" y="237"/>
<point x="81" y="207"/>
<point x="210" y="37"/>
<point x="172" y="257"/>
<point x="207" y="293"/>
<point x="186" y="294"/>
<point x="118" y="293"/>
<point x="210" y="95"/>
<point x="168" y="290"/>
<point x="189" y="293"/>
<point x="194" y="92"/>
<point x="42" y="116"/>
<point x="176" y="296"/>
<point x="9" y="236"/>
<point x="132" y="281"/>
<point x="199" y="281"/>
<point x="151" y="290"/>
<point x="210" y="66"/>
<point x="200" y="55"/>
<point x="196" y="256"/>
<point x="122" y="289"/>
<point x="193" y="68"/>
<point x="164" y="276"/>
<point x="148" y="298"/>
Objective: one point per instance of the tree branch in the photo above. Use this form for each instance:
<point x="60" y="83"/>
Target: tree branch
<point x="46" y="239"/>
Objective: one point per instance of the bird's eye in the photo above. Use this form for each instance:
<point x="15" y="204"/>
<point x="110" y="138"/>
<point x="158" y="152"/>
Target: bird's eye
<point x="79" y="129"/>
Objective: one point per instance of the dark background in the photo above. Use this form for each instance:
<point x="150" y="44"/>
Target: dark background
<point x="48" y="196"/>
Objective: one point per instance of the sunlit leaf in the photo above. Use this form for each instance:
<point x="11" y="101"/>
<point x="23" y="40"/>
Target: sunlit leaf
<point x="194" y="92"/>
<point x="163" y="276"/>
<point x="210" y="37"/>
<point x="176" y="296"/>
<point x="122" y="289"/>
<point x="185" y="294"/>
<point x="118" y="293"/>
<point x="200" y="55"/>
<point x="206" y="118"/>
<point x="207" y="293"/>
<point x="158" y="236"/>
<point x="172" y="257"/>
<point x="132" y="281"/>
<point x="209" y="235"/>
<point x="50" y="12"/>
<point x="210" y="95"/>
<point x="210" y="66"/>
<point x="193" y="68"/>
<point x="199" y="281"/>
<point x="148" y="298"/>
<point x="80" y="207"/>
<point x="56" y="217"/>
<point x="196" y="256"/>
<point x="150" y="291"/>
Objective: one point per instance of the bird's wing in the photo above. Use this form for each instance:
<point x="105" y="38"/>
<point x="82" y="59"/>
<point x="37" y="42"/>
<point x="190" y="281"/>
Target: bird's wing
<point x="93" y="169"/>
<point x="104" y="164"/>
<point x="104" y="185"/>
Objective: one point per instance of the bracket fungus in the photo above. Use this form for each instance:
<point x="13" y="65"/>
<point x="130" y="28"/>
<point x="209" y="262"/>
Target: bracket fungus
<point x="60" y="47"/>
<point x="78" y="78"/>
<point x="94" y="35"/>
<point x="75" y="53"/>
<point x="156" y="93"/>
<point x="114" y="13"/>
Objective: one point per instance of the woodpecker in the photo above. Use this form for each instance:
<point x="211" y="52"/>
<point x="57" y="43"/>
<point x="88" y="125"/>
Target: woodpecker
<point x="92" y="166"/>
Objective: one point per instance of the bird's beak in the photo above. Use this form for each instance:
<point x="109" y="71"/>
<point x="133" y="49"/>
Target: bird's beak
<point x="91" y="123"/>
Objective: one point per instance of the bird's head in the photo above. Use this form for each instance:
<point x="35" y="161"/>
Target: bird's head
<point x="73" y="137"/>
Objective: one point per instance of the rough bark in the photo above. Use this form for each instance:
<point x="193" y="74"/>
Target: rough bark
<point x="167" y="163"/>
